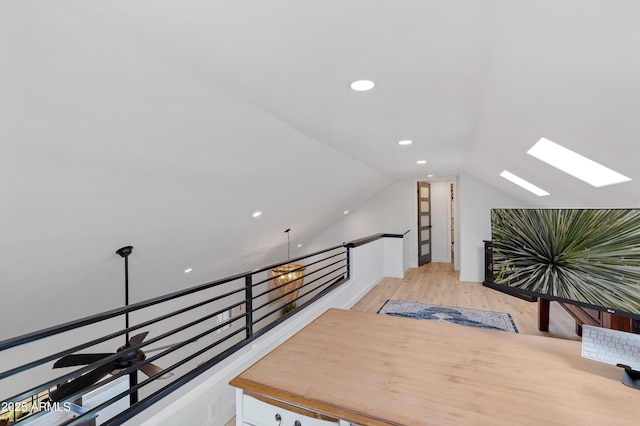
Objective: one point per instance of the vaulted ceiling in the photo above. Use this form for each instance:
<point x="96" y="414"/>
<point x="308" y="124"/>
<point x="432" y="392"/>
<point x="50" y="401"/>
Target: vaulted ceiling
<point x="170" y="122"/>
<point x="473" y="83"/>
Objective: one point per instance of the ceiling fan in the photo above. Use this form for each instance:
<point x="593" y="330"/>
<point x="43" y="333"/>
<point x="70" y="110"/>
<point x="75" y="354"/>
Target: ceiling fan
<point x="128" y="357"/>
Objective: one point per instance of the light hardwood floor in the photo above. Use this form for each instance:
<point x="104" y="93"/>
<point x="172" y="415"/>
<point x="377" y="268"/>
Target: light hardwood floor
<point x="438" y="284"/>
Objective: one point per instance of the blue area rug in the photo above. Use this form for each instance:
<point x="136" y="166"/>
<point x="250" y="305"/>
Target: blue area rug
<point x="462" y="316"/>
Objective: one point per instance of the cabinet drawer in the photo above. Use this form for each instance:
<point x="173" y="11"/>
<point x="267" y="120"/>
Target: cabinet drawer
<point x="260" y="413"/>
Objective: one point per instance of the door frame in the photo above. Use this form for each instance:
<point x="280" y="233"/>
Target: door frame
<point x="413" y="246"/>
<point x="424" y="258"/>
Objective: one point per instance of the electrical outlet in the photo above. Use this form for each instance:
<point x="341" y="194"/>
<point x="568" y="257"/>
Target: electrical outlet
<point x="223" y="317"/>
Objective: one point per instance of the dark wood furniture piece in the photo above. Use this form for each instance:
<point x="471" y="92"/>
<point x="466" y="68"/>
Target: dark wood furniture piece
<point x="584" y="316"/>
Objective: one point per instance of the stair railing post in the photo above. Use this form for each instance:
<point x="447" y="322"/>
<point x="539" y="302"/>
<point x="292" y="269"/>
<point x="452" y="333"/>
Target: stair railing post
<point x="348" y="250"/>
<point x="248" y="290"/>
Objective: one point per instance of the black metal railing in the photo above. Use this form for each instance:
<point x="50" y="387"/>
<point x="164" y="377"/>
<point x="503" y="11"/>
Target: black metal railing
<point x="196" y="328"/>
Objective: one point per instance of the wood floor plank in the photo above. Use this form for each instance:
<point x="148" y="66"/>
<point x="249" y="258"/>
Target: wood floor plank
<point x="439" y="284"/>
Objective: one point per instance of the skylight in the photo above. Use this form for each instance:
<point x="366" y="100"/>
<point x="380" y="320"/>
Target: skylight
<point x="523" y="183"/>
<point x="575" y="164"/>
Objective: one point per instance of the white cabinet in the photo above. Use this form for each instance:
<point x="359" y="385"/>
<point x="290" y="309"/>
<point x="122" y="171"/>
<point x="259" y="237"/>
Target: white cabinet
<point x="253" y="412"/>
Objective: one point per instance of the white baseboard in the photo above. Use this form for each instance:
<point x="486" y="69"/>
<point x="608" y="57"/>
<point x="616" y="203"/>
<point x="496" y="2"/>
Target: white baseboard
<point x="394" y="275"/>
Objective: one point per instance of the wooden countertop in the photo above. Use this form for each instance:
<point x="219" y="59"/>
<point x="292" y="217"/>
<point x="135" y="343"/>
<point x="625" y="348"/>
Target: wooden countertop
<point x="380" y="370"/>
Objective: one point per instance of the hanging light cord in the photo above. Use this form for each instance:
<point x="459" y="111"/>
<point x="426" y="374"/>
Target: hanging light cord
<point x="288" y="243"/>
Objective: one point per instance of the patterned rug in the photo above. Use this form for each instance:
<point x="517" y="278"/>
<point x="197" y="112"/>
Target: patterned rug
<point x="462" y="316"/>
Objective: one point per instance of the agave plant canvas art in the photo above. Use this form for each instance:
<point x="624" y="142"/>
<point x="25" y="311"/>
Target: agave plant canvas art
<point x="588" y="256"/>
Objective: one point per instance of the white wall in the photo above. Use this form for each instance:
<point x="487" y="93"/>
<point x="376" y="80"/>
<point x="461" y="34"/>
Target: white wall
<point x="394" y="210"/>
<point x="393" y="258"/>
<point x="476" y="199"/>
<point x="143" y="152"/>
<point x="440" y="214"/>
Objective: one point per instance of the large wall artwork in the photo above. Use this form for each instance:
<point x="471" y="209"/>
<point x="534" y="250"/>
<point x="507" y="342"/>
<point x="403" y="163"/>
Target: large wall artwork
<point x="590" y="257"/>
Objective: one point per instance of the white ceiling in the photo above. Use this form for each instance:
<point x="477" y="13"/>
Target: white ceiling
<point x="473" y="83"/>
<point x="168" y="122"/>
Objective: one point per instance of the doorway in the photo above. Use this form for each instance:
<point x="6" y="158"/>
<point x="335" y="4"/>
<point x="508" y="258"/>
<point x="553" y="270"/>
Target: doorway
<point x="424" y="223"/>
<point x="452" y="215"/>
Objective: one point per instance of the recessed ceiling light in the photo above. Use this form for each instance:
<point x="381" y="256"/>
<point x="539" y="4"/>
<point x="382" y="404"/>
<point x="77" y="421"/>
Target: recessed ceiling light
<point x="405" y="142"/>
<point x="576" y="165"/>
<point x="523" y="183"/>
<point x="429" y="175"/>
<point x="256" y="214"/>
<point x="299" y="245"/>
<point x="186" y="271"/>
<point x="346" y="211"/>
<point x="362" y="85"/>
<point x="421" y="162"/>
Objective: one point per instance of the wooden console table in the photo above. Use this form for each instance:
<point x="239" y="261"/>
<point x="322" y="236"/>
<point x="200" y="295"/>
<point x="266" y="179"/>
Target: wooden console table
<point x="367" y="369"/>
<point x="583" y="316"/>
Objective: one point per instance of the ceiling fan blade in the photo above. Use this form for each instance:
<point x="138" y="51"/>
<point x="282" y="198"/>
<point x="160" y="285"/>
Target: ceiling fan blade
<point x="77" y="385"/>
<point x="79" y="359"/>
<point x="138" y="338"/>
<point x="152" y="370"/>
